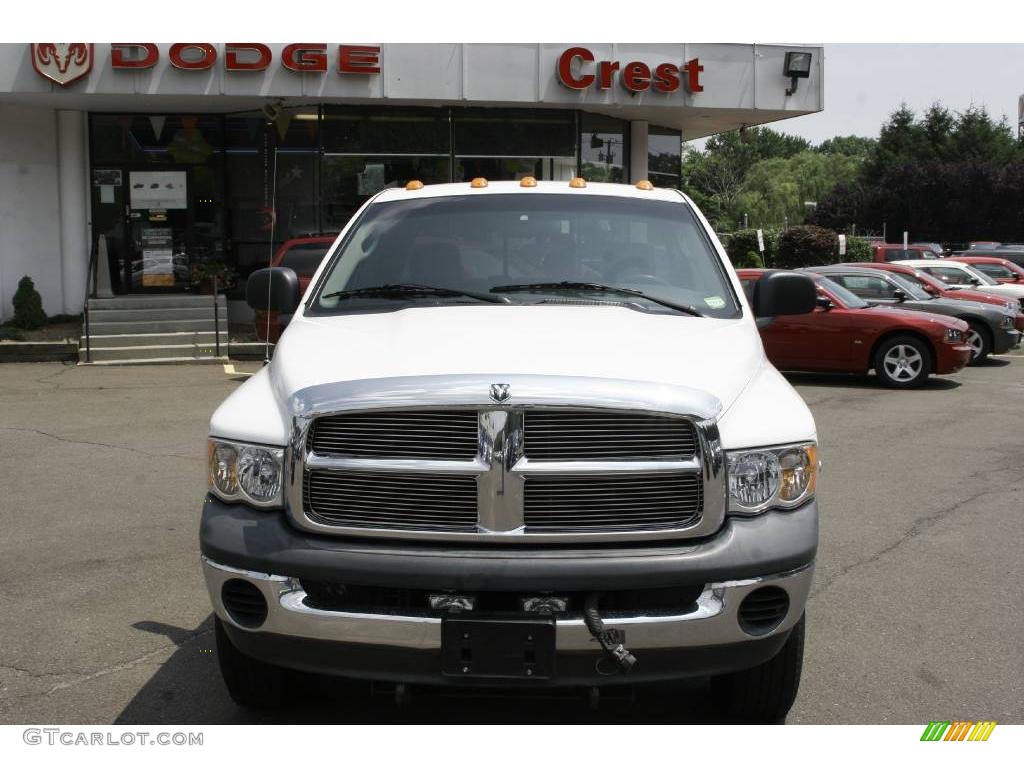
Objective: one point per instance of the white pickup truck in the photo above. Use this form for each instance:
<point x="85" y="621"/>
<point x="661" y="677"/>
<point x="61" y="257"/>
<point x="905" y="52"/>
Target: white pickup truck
<point x="517" y="434"/>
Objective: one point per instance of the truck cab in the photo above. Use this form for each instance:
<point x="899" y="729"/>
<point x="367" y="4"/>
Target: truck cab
<point x="517" y="434"/>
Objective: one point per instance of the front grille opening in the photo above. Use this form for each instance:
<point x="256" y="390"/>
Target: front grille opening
<point x="356" y="598"/>
<point x="597" y="435"/>
<point x="244" y="603"/>
<point x="435" y="435"/>
<point x="624" y="502"/>
<point x="763" y="610"/>
<point x="392" y="500"/>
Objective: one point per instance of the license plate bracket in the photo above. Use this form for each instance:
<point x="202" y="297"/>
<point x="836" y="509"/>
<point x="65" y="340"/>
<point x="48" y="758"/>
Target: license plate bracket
<point x="499" y="648"/>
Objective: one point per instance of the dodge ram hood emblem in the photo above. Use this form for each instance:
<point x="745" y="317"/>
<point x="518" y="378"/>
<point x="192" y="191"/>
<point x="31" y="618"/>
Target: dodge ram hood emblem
<point x="500" y="393"/>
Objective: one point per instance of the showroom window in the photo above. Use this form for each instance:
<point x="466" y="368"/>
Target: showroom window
<point x="604" y="148"/>
<point x="508" y="144"/>
<point x="664" y="156"/>
<point x="366" y="150"/>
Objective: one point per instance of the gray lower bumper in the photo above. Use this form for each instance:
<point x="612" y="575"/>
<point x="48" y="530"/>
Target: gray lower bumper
<point x="713" y="622"/>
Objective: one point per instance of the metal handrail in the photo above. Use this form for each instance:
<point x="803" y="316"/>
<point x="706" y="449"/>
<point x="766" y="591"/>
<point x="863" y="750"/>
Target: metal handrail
<point x="89" y="278"/>
<point x="216" y="317"/>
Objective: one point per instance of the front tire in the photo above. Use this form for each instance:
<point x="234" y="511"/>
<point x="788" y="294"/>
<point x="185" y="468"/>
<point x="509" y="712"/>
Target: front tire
<point x="251" y="683"/>
<point x="903" y="362"/>
<point x="765" y="693"/>
<point x="980" y="342"/>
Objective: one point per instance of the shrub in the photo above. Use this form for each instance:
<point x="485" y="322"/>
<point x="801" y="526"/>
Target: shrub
<point x="806" y="246"/>
<point x="857" y="249"/>
<point x="743" y="252"/>
<point x="28" y="306"/>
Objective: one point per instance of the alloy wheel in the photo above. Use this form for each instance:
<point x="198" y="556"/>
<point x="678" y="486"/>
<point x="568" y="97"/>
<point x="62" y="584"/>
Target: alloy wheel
<point x="976" y="343"/>
<point x="903" y="363"/>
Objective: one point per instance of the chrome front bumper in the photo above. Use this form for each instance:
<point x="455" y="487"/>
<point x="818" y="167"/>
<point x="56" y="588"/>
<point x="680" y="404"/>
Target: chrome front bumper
<point x="714" y="622"/>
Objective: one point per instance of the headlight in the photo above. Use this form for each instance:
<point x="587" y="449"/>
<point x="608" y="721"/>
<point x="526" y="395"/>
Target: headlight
<point x="1013" y="307"/>
<point x="953" y="336"/>
<point x="1006" y="322"/>
<point x="243" y="472"/>
<point x="771" y="477"/>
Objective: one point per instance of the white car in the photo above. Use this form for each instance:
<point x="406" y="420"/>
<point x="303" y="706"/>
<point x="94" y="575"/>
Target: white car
<point x="517" y="434"/>
<point x="960" y="275"/>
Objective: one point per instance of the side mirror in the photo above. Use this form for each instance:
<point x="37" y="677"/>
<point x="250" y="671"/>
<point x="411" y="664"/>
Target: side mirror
<point x="784" y="293"/>
<point x="825" y="303"/>
<point x="274" y="289"/>
<point x="899" y="294"/>
<point x="930" y="289"/>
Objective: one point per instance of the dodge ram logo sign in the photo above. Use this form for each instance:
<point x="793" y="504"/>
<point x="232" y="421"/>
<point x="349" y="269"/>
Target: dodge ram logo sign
<point x="500" y="393"/>
<point x="62" y="63"/>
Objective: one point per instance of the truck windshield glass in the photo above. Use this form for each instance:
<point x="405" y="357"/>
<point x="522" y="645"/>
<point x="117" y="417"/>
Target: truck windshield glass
<point x="474" y="243"/>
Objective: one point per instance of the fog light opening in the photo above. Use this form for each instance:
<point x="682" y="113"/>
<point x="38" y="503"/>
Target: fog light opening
<point x="763" y="610"/>
<point x="244" y="603"/>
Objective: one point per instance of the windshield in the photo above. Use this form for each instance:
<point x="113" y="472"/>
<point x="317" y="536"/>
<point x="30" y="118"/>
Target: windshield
<point x="912" y="290"/>
<point x="531" y="244"/>
<point x="305" y="258"/>
<point x="848" y="297"/>
<point x="982" y="277"/>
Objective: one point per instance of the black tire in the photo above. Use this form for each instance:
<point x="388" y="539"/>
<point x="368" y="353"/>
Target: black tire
<point x="980" y="339"/>
<point x="765" y="693"/>
<point x="917" y="369"/>
<point x="251" y="683"/>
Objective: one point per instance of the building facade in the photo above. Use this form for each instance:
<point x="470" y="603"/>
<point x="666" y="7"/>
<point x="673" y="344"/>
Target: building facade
<point x="181" y="154"/>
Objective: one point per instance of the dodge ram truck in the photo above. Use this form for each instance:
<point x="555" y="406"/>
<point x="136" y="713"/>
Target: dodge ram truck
<point x="517" y="434"/>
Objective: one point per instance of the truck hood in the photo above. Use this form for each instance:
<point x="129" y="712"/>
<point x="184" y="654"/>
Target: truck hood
<point x="718" y="357"/>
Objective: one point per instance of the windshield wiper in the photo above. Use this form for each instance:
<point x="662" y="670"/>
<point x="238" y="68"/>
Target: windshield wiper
<point x="401" y="290"/>
<point x="567" y="285"/>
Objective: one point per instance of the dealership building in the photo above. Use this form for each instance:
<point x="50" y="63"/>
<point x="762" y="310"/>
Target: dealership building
<point x="153" y="158"/>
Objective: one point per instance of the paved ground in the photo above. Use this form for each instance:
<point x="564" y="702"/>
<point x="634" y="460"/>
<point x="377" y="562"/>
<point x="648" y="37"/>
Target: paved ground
<point x="917" y="609"/>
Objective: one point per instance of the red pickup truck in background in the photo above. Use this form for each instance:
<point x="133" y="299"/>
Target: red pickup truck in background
<point x="884" y="252"/>
<point x="302" y="254"/>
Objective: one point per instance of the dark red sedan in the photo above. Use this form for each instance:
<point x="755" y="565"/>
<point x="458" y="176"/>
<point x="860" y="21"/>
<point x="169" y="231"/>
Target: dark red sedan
<point x="302" y="254"/>
<point x="846" y="334"/>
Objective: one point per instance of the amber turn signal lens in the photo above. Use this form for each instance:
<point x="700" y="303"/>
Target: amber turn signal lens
<point x="577" y="182"/>
<point x="478" y="183"/>
<point x="645" y="185"/>
<point x="413" y="185"/>
<point x="527" y="181"/>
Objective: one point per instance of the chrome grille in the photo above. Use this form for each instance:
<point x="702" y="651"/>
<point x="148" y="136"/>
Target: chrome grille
<point x="397" y="434"/>
<point x="597" y="435"/>
<point x="391" y="500"/>
<point x="622" y="502"/>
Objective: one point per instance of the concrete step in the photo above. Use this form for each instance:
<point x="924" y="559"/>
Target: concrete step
<point x="153" y="326"/>
<point x="161" y="361"/>
<point x="159" y="313"/>
<point x="156" y="301"/>
<point x="161" y="352"/>
<point x="153" y="339"/>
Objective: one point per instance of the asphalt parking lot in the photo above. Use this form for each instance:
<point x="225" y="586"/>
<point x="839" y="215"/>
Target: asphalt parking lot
<point x="916" y="612"/>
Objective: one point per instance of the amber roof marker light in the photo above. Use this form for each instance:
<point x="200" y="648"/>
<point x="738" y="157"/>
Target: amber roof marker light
<point x="413" y="185"/>
<point x="478" y="183"/>
<point x="527" y="181"/>
<point x="645" y="185"/>
<point x="577" y="182"/>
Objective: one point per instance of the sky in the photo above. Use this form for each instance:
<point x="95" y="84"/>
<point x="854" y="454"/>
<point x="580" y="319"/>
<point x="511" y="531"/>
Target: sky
<point x="864" y="83"/>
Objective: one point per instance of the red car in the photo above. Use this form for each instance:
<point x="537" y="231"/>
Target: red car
<point x="938" y="287"/>
<point x="1003" y="270"/>
<point x="302" y="254"/>
<point x="845" y="334"/>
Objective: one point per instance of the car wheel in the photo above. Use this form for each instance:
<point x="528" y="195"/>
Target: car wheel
<point x="251" y="683"/>
<point x="903" y="362"/>
<point x="765" y="693"/>
<point x="979" y="340"/>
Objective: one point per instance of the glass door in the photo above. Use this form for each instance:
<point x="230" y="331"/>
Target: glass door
<point x="160" y="244"/>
